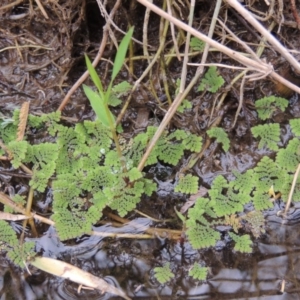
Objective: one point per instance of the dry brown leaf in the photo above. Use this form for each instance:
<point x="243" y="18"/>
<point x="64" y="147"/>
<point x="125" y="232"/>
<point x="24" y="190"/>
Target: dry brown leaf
<point x="22" y="120"/>
<point x="67" y="271"/>
<point x="12" y="217"/>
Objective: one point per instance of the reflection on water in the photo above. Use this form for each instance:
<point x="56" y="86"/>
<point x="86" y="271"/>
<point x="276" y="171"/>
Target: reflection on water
<point x="271" y="272"/>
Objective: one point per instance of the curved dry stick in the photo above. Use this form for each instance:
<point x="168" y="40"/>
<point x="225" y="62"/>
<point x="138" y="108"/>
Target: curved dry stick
<point x="251" y="64"/>
<point x="270" y="38"/>
<point x="85" y="75"/>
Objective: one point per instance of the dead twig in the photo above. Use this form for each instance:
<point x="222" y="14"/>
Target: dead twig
<point x="289" y="201"/>
<point x="270" y="38"/>
<point x="39" y="4"/>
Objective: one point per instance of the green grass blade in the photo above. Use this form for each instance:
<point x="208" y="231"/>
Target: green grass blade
<point x="121" y="53"/>
<point x="94" y="75"/>
<point x="98" y="105"/>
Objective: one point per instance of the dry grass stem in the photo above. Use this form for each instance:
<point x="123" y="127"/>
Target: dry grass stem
<point x="270" y="38"/>
<point x="261" y="67"/>
<point x="39" y="4"/>
<point x="289" y="201"/>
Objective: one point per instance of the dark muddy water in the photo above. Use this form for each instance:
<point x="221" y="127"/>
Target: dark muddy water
<point x="271" y="272"/>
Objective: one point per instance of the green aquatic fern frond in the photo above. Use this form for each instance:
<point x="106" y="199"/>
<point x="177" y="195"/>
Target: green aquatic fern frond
<point x="243" y="183"/>
<point x="124" y="198"/>
<point x="20" y="254"/>
<point x="242" y="243"/>
<point x="43" y="157"/>
<point x="16" y="252"/>
<point x="96" y="178"/>
<point x="221" y="136"/>
<point x="295" y="126"/>
<point x="196" y="213"/>
<point x="170" y="153"/>
<point x="18" y="150"/>
<point x="289" y="157"/>
<point x="268" y="105"/>
<point x="261" y="201"/>
<point x="212" y="81"/>
<point x="269" y="135"/>
<point x="118" y="91"/>
<point x="65" y="188"/>
<point x="100" y="136"/>
<point x="201" y="236"/>
<point x="224" y="204"/>
<point x="8" y="133"/>
<point x="149" y="186"/>
<point x="187" y="184"/>
<point x="185" y="104"/>
<point x="134" y="174"/>
<point x="163" y="274"/>
<point x="198" y="272"/>
<point x="40" y="177"/>
<point x="42" y="154"/>
<point x="197" y="44"/>
<point x="70" y="225"/>
<point x="193" y="143"/>
<point x="266" y="174"/>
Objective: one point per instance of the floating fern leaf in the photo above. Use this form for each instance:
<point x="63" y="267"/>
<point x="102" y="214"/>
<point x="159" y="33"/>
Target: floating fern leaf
<point x="170" y="153"/>
<point x="17" y="253"/>
<point x="51" y="120"/>
<point x="134" y="174"/>
<point x="201" y="236"/>
<point x="149" y="186"/>
<point x="8" y="133"/>
<point x="193" y="143"/>
<point x="124" y="198"/>
<point x="44" y="157"/>
<point x="212" y="81"/>
<point x="266" y="106"/>
<point x="221" y="137"/>
<point x="295" y="126"/>
<point x="244" y="183"/>
<point x="266" y="174"/>
<point x="196" y="214"/>
<point x="18" y="150"/>
<point x="242" y="243"/>
<point x="198" y="272"/>
<point x="119" y="90"/>
<point x="185" y="104"/>
<point x="289" y="157"/>
<point x="101" y="137"/>
<point x="96" y="178"/>
<point x="197" y="44"/>
<point x="261" y="201"/>
<point x="269" y="135"/>
<point x="225" y="204"/>
<point x="70" y="225"/>
<point x="187" y="184"/>
<point x="65" y="187"/>
<point x="163" y="274"/>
